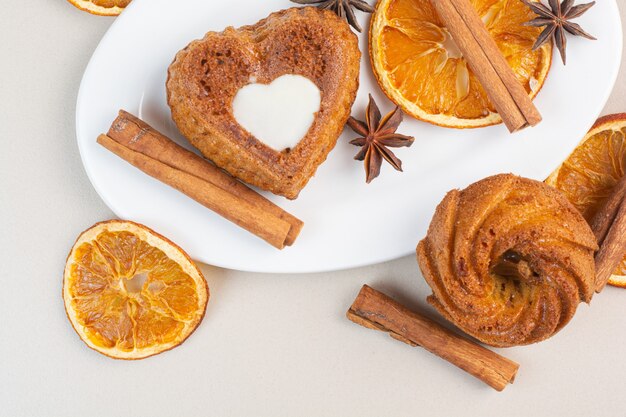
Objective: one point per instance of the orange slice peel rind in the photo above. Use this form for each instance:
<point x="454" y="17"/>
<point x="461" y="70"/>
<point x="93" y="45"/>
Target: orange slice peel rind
<point x="101" y="7"/>
<point x="130" y="293"/>
<point x="588" y="176"/>
<point x="418" y="66"/>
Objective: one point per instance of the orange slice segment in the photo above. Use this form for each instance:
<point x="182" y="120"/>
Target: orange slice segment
<point x="131" y="293"/>
<point x="419" y="67"/>
<point x="589" y="174"/>
<point x="101" y="7"/>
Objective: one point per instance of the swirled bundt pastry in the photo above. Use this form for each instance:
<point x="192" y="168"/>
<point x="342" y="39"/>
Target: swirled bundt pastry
<point x="508" y="260"/>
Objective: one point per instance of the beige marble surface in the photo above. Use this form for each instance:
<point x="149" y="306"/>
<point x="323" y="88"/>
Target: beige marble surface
<point x="271" y="345"/>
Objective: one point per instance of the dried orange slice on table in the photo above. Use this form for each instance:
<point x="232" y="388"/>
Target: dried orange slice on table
<point x="419" y="67"/>
<point x="101" y="7"/>
<point x="131" y="293"/>
<point x="589" y="175"/>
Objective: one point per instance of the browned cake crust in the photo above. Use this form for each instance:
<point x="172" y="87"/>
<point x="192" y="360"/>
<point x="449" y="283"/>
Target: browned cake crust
<point x="205" y="77"/>
<point x="508" y="259"/>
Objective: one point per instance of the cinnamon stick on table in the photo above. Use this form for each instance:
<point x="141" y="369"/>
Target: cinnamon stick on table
<point x="145" y="148"/>
<point x="377" y="311"/>
<point x="609" y="226"/>
<point x="479" y="49"/>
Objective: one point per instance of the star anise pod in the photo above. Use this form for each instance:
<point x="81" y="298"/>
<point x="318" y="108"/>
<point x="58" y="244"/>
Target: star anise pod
<point x="378" y="134"/>
<point x="557" y="22"/>
<point x="343" y="8"/>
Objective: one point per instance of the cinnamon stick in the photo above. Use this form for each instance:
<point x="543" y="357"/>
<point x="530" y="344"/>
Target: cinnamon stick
<point x="609" y="226"/>
<point x="156" y="155"/>
<point x="604" y="218"/>
<point x="488" y="64"/>
<point x="376" y="310"/>
<point x="137" y="135"/>
<point x="497" y="60"/>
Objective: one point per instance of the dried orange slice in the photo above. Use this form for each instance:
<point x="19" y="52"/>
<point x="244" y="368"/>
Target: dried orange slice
<point x="589" y="174"/>
<point x="101" y="7"/>
<point x="419" y="67"/>
<point x="131" y="293"/>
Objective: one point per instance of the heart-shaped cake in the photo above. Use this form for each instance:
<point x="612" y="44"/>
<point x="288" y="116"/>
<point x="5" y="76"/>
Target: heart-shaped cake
<point x="236" y="78"/>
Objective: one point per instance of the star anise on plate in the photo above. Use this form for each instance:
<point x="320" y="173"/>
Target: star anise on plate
<point x="378" y="134"/>
<point x="556" y="20"/>
<point x="343" y="8"/>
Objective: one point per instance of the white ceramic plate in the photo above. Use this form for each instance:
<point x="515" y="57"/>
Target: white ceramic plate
<point x="347" y="223"/>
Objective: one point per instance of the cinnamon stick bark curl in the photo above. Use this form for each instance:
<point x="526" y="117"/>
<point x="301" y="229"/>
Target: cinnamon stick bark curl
<point x="488" y="64"/>
<point x="609" y="226"/>
<point x="158" y="156"/>
<point x="376" y="310"/>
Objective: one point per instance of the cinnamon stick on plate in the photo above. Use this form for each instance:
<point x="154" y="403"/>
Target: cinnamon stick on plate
<point x="609" y="226"/>
<point x="376" y="310"/>
<point x="506" y="93"/>
<point x="145" y="148"/>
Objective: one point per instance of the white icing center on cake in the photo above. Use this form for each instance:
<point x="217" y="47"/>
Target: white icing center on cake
<point x="278" y="114"/>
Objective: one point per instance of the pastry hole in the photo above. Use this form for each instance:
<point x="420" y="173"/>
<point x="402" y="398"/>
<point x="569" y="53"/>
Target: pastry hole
<point x="512" y="266"/>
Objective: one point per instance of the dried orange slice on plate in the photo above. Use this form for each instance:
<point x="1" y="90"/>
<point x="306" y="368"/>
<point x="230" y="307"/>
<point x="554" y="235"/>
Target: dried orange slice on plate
<point x="130" y="293"/>
<point x="589" y="174"/>
<point x="101" y="7"/>
<point x="419" y="67"/>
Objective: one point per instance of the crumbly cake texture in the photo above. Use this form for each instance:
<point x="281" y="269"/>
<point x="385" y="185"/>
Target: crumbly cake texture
<point x="508" y="260"/>
<point x="205" y="77"/>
